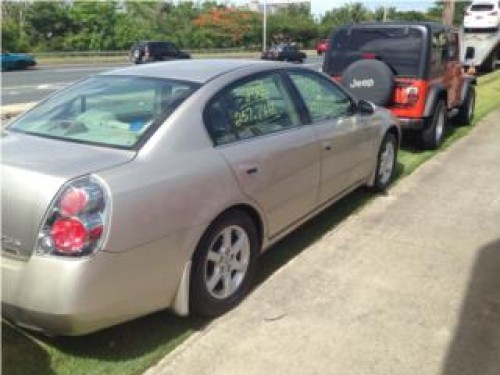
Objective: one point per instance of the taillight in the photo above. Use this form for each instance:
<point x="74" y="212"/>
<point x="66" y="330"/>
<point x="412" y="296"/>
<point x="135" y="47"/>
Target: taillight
<point x="75" y="223"/>
<point x="412" y="93"/>
<point x="409" y="92"/>
<point x="146" y="52"/>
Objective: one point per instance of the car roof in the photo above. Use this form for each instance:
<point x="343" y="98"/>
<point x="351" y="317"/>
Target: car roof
<point x="199" y="70"/>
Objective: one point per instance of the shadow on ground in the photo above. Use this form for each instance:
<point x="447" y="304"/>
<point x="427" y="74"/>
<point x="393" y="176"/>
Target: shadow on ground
<point x="15" y="349"/>
<point x="475" y="348"/>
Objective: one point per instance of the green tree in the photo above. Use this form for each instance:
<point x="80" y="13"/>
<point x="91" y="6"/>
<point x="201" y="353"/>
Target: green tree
<point x="47" y="24"/>
<point x="294" y="23"/>
<point x="94" y="24"/>
<point x="346" y="14"/>
<point x="436" y="12"/>
<point x="392" y="14"/>
<point x="13" y="24"/>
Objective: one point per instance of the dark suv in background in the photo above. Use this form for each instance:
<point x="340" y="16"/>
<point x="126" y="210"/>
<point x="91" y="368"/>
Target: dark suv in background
<point x="144" y="52"/>
<point x="284" y="52"/>
<point x="412" y="68"/>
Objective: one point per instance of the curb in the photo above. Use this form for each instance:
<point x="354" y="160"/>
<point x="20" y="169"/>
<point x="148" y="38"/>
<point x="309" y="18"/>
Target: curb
<point x="12" y="110"/>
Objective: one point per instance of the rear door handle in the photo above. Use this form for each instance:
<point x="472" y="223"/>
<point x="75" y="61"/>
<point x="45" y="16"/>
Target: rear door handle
<point x="249" y="169"/>
<point x="252" y="170"/>
<point x="327" y="146"/>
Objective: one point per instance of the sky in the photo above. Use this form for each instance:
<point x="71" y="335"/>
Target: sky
<point x="319" y="7"/>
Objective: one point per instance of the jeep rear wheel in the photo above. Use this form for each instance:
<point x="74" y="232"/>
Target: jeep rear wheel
<point x="433" y="135"/>
<point x="466" y="110"/>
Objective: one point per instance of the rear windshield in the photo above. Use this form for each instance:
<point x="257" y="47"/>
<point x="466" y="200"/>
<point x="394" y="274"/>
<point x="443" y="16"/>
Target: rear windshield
<point x="399" y="47"/>
<point x="114" y="111"/>
<point x="481" y="7"/>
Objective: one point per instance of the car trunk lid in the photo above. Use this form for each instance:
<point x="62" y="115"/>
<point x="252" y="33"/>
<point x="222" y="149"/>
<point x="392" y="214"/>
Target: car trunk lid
<point x="32" y="172"/>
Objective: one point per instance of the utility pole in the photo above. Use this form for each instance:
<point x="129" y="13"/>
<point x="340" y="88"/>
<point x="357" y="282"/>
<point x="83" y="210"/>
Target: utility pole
<point x="264" y="28"/>
<point x="448" y="12"/>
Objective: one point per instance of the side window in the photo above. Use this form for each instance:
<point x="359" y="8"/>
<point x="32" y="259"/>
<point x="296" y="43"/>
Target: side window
<point x="250" y="109"/>
<point x="453" y="51"/>
<point x="437" y="58"/>
<point x="323" y="99"/>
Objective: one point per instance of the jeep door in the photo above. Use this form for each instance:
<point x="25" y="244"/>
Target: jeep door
<point x="347" y="141"/>
<point x="445" y="68"/>
<point x="454" y="70"/>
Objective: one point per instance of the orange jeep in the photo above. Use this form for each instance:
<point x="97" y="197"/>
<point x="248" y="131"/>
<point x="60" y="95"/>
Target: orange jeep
<point x="412" y="68"/>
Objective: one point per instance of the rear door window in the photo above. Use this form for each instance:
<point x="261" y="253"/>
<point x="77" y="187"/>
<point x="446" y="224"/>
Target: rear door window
<point x="250" y="109"/>
<point x="481" y="7"/>
<point x="399" y="47"/>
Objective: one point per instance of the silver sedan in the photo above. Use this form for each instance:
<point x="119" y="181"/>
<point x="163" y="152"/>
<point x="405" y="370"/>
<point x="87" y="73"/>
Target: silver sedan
<point x="159" y="186"/>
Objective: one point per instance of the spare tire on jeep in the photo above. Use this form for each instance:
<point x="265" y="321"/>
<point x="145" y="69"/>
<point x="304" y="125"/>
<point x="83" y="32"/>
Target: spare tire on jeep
<point x="370" y="80"/>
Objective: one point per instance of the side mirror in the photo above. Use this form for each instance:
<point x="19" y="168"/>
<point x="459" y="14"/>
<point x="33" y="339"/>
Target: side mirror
<point x="365" y="107"/>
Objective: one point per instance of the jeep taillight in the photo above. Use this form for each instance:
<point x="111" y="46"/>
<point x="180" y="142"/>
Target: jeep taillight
<point x="408" y="92"/>
<point x="75" y="222"/>
<point x="412" y="93"/>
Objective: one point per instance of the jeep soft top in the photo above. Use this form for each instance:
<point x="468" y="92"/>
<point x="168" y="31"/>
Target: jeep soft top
<point x="404" y="46"/>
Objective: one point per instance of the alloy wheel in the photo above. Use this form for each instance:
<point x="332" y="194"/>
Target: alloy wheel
<point x="227" y="262"/>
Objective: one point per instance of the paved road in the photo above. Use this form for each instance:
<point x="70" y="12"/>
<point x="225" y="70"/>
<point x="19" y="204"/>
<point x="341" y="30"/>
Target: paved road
<point x="34" y="85"/>
<point x="409" y="285"/>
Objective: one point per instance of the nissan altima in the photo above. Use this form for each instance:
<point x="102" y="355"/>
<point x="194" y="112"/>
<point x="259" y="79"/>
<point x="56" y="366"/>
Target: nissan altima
<point x="158" y="186"/>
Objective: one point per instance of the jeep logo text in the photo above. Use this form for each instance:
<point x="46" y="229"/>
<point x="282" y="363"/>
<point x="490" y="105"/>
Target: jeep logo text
<point x="361" y="83"/>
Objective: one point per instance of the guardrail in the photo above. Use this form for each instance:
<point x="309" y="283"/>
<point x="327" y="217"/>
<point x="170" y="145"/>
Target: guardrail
<point x="90" y="54"/>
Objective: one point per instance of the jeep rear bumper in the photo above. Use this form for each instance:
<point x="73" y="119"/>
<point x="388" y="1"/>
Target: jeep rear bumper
<point x="412" y="123"/>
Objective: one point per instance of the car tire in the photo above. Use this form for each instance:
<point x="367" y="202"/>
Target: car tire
<point x="222" y="273"/>
<point x="371" y="80"/>
<point x="433" y="135"/>
<point x="489" y="64"/>
<point x="386" y="162"/>
<point x="466" y="110"/>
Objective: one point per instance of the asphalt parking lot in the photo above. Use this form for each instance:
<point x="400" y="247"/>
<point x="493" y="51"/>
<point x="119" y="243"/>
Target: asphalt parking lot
<point x="409" y="285"/>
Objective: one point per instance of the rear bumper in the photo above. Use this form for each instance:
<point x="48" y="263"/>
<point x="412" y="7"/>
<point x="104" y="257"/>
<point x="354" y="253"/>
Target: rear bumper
<point x="63" y="296"/>
<point x="412" y="123"/>
<point x="485" y="23"/>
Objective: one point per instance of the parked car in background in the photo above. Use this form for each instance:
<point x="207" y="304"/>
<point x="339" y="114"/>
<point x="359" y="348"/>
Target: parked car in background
<point x="322" y="46"/>
<point x="482" y="15"/>
<point x="145" y="52"/>
<point x="412" y="68"/>
<point x="159" y="186"/>
<point x="284" y="52"/>
<point x="12" y="61"/>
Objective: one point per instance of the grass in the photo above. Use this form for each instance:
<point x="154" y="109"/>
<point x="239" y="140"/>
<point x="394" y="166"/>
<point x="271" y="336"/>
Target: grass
<point x="133" y="347"/>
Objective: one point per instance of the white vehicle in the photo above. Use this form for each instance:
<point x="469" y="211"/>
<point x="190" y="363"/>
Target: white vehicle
<point x="482" y="14"/>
